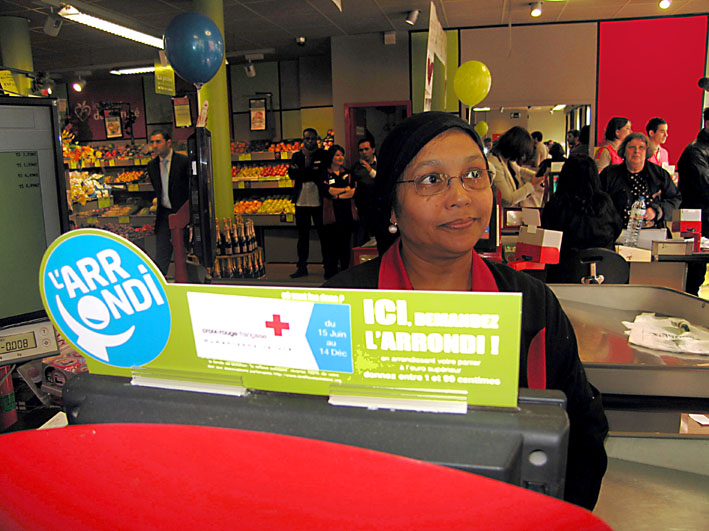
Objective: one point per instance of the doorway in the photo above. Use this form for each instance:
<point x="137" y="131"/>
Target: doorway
<point x="372" y="121"/>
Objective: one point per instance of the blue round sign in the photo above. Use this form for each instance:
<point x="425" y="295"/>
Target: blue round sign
<point x="106" y="296"/>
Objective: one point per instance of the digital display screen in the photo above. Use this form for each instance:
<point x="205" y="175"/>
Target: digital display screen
<point x="24" y="239"/>
<point x="17" y="342"/>
<point x="33" y="201"/>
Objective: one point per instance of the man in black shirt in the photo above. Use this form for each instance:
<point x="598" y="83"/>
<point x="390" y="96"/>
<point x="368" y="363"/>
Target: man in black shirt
<point x="364" y="172"/>
<point x="307" y="172"/>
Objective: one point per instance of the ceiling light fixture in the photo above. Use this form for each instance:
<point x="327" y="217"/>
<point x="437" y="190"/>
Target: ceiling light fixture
<point x="71" y="13"/>
<point x="481" y="109"/>
<point x="129" y="71"/>
<point x="664" y="4"/>
<point x="559" y="107"/>
<point x="79" y="85"/>
<point x="535" y="9"/>
<point x="412" y="17"/>
<point x="300" y="41"/>
<point x="53" y="24"/>
<point x="250" y="70"/>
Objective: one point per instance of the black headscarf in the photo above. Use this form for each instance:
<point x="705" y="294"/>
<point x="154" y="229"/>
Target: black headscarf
<point x="398" y="149"/>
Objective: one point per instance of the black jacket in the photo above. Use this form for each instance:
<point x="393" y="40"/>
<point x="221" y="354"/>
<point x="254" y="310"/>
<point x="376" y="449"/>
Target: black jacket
<point x="693" y="168"/>
<point x="178" y="183"/>
<point x="541" y="314"/>
<point x="316" y="172"/>
<point x="664" y="196"/>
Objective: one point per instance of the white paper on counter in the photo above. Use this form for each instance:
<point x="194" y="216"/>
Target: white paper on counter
<point x="671" y="334"/>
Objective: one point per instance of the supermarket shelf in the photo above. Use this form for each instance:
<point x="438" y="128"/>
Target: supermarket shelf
<point x="132" y="187"/>
<point x="262" y="184"/>
<point x="133" y="221"/>
<point x="105" y="163"/>
<point x="261" y="155"/>
<point x="94" y="204"/>
<point x="271" y="220"/>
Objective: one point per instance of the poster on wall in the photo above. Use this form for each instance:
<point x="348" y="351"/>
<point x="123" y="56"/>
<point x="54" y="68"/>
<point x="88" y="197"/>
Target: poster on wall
<point x="85" y="108"/>
<point x="437" y="47"/>
<point x="113" y="125"/>
<point x="182" y="112"/>
<point x="257" y="112"/>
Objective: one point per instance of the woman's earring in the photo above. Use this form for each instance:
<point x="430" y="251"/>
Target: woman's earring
<point x="393" y="228"/>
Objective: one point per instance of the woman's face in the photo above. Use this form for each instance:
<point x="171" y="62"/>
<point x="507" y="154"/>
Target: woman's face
<point x="338" y="158"/>
<point x="623" y="131"/>
<point x="448" y="224"/>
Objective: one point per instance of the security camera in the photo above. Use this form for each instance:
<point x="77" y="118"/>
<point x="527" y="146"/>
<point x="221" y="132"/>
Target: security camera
<point x="300" y="41"/>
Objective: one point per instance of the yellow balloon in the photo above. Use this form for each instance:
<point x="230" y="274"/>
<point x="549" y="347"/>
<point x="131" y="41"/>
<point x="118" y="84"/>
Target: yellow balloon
<point x="472" y="82"/>
<point x="481" y="128"/>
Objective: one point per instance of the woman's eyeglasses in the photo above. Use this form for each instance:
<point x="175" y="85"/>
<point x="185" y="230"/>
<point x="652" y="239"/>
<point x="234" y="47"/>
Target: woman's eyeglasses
<point x="435" y="183"/>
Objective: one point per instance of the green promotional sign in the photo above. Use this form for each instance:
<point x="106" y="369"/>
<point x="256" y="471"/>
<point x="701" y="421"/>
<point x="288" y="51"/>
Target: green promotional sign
<point x="111" y="303"/>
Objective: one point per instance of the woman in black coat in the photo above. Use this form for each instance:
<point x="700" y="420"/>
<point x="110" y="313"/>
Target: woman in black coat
<point x="582" y="211"/>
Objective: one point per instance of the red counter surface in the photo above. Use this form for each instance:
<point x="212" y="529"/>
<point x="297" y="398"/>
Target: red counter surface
<point x="146" y="476"/>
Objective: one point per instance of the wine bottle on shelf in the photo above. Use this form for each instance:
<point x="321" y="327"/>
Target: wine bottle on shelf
<point x="242" y="239"/>
<point x="239" y="268"/>
<point x="220" y="242"/>
<point x="189" y="251"/>
<point x="262" y="264"/>
<point x="217" y="269"/>
<point x="235" y="249"/>
<point x="251" y="244"/>
<point x="227" y="239"/>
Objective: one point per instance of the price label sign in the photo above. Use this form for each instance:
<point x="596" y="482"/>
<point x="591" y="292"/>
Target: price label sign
<point x="124" y="220"/>
<point x="107" y="298"/>
<point x="133" y="188"/>
<point x="245" y="156"/>
<point x="104" y="202"/>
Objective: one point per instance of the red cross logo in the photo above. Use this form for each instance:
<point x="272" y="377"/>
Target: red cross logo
<point x="277" y="325"/>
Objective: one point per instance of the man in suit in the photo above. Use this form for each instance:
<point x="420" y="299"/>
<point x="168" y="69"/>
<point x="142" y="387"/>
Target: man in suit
<point x="169" y="175"/>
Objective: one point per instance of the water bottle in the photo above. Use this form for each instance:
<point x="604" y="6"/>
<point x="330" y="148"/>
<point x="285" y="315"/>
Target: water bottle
<point x="635" y="222"/>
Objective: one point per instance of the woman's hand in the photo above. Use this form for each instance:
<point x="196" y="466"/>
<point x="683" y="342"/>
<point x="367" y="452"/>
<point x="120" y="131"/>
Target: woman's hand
<point x="348" y="193"/>
<point x="538" y="180"/>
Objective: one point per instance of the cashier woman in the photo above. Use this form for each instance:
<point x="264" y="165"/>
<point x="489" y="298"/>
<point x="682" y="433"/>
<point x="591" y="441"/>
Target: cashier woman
<point x="434" y="202"/>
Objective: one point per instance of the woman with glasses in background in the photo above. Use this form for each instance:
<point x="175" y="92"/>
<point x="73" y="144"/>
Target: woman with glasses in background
<point x="434" y="201"/>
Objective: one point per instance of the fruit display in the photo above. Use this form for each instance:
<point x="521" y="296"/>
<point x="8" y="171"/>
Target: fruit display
<point x="86" y="186"/>
<point x="96" y="155"/>
<point x="329" y="139"/>
<point x="247" y="206"/>
<point x="126" y="177"/>
<point x="126" y="231"/>
<point x="120" y="210"/>
<point x="258" y="171"/>
<point x="239" y="147"/>
<point x="280" y="204"/>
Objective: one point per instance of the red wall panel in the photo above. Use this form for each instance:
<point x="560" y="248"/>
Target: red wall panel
<point x="649" y="68"/>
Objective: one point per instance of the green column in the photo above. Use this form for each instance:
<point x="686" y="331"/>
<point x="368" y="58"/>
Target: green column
<point x="218" y="123"/>
<point x="16" y="50"/>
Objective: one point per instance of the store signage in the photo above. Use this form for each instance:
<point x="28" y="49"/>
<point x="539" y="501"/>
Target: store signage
<point x="109" y="301"/>
<point x="7" y="83"/>
<point x="106" y="297"/>
<point x="164" y="79"/>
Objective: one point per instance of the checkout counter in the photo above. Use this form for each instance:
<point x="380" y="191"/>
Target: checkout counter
<point x="644" y="390"/>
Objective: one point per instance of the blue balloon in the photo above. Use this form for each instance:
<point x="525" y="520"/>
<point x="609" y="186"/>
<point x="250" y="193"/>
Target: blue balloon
<point x="194" y="46"/>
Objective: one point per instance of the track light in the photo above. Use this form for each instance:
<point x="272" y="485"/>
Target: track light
<point x="71" y="13"/>
<point x="43" y="84"/>
<point x="664" y="4"/>
<point x="53" y="23"/>
<point x="79" y="84"/>
<point x="129" y="71"/>
<point x="535" y="9"/>
<point x="412" y="17"/>
<point x="250" y="70"/>
<point x="300" y="41"/>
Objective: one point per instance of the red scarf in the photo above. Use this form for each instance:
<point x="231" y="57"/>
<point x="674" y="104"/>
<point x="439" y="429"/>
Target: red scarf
<point x="392" y="273"/>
